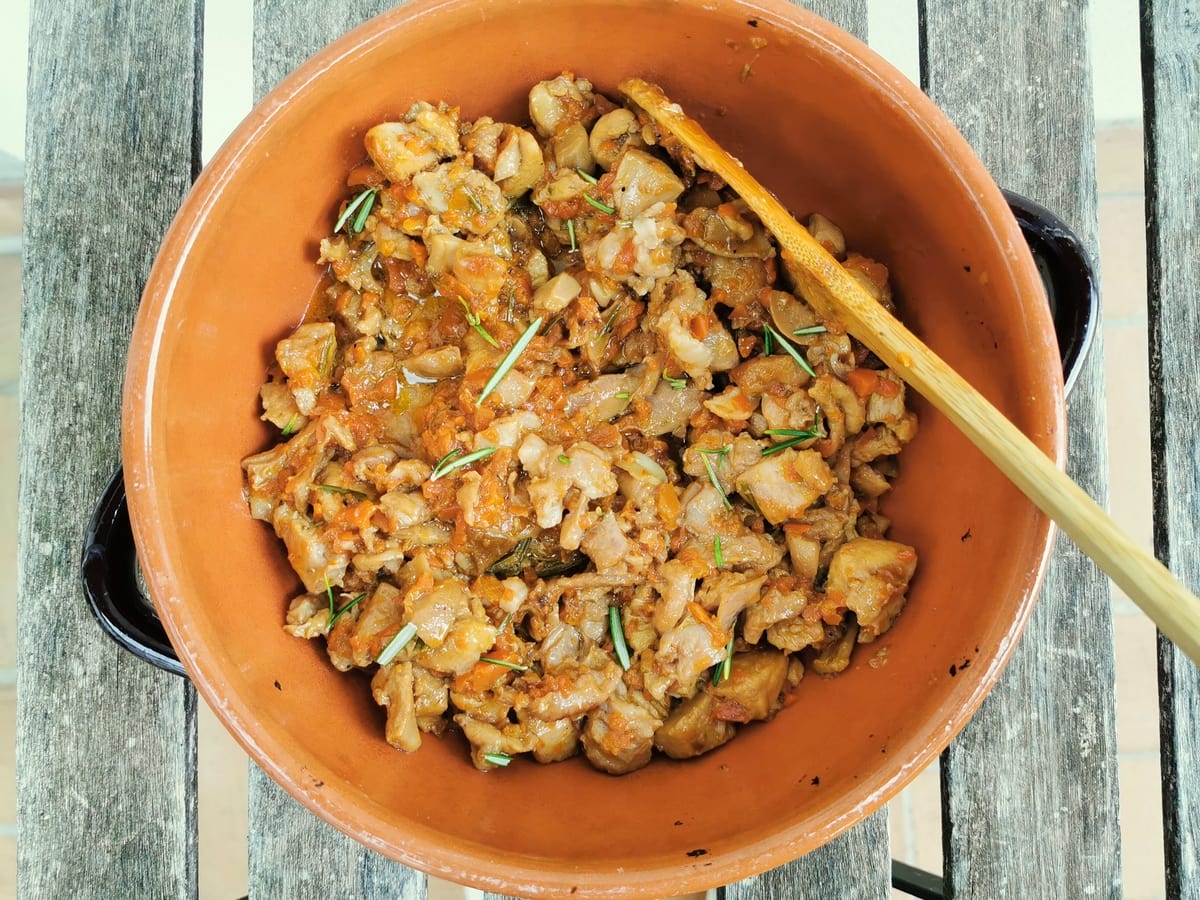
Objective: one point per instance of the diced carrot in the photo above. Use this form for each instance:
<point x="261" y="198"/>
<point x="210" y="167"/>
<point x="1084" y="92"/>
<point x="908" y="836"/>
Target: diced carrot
<point x="887" y="388"/>
<point x="716" y="632"/>
<point x="862" y="381"/>
<point x="699" y="327"/>
<point x="668" y="505"/>
<point x="480" y="677"/>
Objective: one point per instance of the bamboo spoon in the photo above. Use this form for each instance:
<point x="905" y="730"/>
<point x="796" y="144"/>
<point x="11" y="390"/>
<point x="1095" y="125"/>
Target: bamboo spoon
<point x="828" y="287"/>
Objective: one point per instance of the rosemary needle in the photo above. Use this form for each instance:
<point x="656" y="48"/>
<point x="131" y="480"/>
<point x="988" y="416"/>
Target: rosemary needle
<point x="618" y="636"/>
<point x="718" y="553"/>
<point x="398" y="643"/>
<point x="791" y="351"/>
<point x="455" y="460"/>
<point x="498" y="759"/>
<point x="712" y="476"/>
<point x="603" y="207"/>
<point x="510" y="358"/>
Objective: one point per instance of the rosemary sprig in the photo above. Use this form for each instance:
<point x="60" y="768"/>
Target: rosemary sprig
<point x="571" y="234"/>
<point x="290" y="428"/>
<point x="510" y="358"/>
<point x="336" y="489"/>
<point x="474" y="201"/>
<point x="677" y="384"/>
<point x="768" y="341"/>
<point x="712" y="476"/>
<point x="718" y="553"/>
<point x="366" y="200"/>
<point x="345" y="609"/>
<point x="588" y="177"/>
<point x="474" y="322"/>
<point x="503" y="662"/>
<point x="328" y="591"/>
<point x="597" y="204"/>
<point x="618" y="636"/>
<point x="455" y="460"/>
<point x="498" y="759"/>
<point x="719" y="452"/>
<point x="811" y="329"/>
<point x="796" y="435"/>
<point x="791" y="351"/>
<point x="721" y="672"/>
<point x="398" y="643"/>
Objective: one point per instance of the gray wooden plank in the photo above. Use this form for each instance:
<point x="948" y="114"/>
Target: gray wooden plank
<point x="865" y="849"/>
<point x="106" y="785"/>
<point x="1171" y="38"/>
<point x="294" y="854"/>
<point x="1030" y="787"/>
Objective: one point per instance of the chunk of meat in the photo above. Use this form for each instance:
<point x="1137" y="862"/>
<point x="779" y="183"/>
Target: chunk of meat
<point x="307" y="551"/>
<point x="463" y="198"/>
<point x="486" y="739"/>
<point x="552" y="741"/>
<point x="692" y="729"/>
<point x="774" y="605"/>
<point x="392" y="687"/>
<point x="871" y="577"/>
<point x="433" y="613"/>
<point x="306" y="359"/>
<point x="572" y="690"/>
<point x="402" y="149"/>
<point x="642" y="181"/>
<point x="754" y="687"/>
<point x="556" y="103"/>
<point x="619" y="735"/>
<point x="786" y="483"/>
<point x="605" y="542"/>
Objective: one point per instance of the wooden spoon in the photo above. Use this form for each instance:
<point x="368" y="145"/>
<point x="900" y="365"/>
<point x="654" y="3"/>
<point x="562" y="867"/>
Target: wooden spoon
<point x="835" y="294"/>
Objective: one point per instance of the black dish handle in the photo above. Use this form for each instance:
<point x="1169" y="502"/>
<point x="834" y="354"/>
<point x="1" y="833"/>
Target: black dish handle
<point x="1069" y="278"/>
<point x="111" y="583"/>
<point x="110" y="576"/>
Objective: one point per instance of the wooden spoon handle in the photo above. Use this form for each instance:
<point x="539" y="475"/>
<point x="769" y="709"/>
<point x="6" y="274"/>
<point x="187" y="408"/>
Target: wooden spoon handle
<point x="835" y="294"/>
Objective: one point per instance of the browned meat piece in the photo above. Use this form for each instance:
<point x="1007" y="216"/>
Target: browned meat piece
<point x="392" y="687"/>
<point x="619" y="735"/>
<point x="754" y="688"/>
<point x="692" y="729"/>
<point x="786" y="483"/>
<point x="871" y="578"/>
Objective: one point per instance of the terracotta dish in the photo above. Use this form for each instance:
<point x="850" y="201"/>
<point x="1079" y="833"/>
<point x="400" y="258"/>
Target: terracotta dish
<point x="829" y="127"/>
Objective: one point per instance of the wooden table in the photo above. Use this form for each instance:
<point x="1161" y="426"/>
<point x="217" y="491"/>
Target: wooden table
<point x="107" y="745"/>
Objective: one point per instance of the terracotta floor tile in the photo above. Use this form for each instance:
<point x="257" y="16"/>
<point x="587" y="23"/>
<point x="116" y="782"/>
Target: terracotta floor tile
<point x="1123" y="257"/>
<point x="1127" y="384"/>
<point x="1141" y="828"/>
<point x="8" y="532"/>
<point x="1137" y="684"/>
<point x="8" y="867"/>
<point x="1119" y="167"/>
<point x="8" y="756"/>
<point x="10" y="209"/>
<point x="222" y="804"/>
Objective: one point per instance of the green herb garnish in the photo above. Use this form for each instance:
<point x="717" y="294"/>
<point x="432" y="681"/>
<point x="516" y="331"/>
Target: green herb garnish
<point x="474" y="322"/>
<point x="603" y="207"/>
<point x="811" y="329"/>
<point x="398" y="643"/>
<point x="349" y="606"/>
<point x="290" y="428"/>
<point x="510" y="358"/>
<point x="677" y="384"/>
<point x="622" y="395"/>
<point x="335" y="489"/>
<point x="571" y="234"/>
<point x="503" y="662"/>
<point x="720" y="452"/>
<point x="367" y="197"/>
<point x="796" y="435"/>
<point x="563" y="458"/>
<point x="612" y="318"/>
<point x="618" y="636"/>
<point x="589" y="178"/>
<point x="498" y="759"/>
<point x="768" y="341"/>
<point x="718" y="554"/>
<point x="712" y="476"/>
<point x="791" y="351"/>
<point x="328" y="592"/>
<point x="449" y="462"/>
<point x="721" y="672"/>
<point x="473" y="200"/>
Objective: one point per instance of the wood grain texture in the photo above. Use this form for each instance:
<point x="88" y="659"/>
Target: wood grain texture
<point x="1171" y="42"/>
<point x="294" y="854"/>
<point x="865" y="849"/>
<point x="1029" y="787"/>
<point x="107" y="744"/>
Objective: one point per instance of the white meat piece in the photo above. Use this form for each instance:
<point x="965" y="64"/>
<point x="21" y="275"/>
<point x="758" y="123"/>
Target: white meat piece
<point x="642" y="181"/>
<point x="307" y="359"/>
<point x="556" y="103"/>
<point x="392" y="687"/>
<point x="785" y="484"/>
<point x="729" y="593"/>
<point x="573" y="690"/>
<point x="467" y="640"/>
<point x="871" y="577"/>
<point x="676" y="301"/>
<point x="552" y="741"/>
<point x="685" y="652"/>
<point x="404" y="509"/>
<point x="654" y="238"/>
<point x="619" y="736"/>
<point x="308" y="616"/>
<point x="587" y="469"/>
<point x="485" y="738"/>
<point x="435" y="612"/>
<point x="401" y="149"/>
<point x="605" y="543"/>
<point x="553" y="296"/>
<point x="307" y="551"/>
<point x="612" y="133"/>
<point x="676" y="588"/>
<point x="463" y="198"/>
<point x="774" y="605"/>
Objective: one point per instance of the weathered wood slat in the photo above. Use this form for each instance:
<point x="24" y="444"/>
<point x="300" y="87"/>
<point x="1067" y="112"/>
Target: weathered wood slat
<point x="865" y="849"/>
<point x="1171" y="34"/>
<point x="1015" y="79"/>
<point x="294" y="854"/>
<point x="106" y="786"/>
